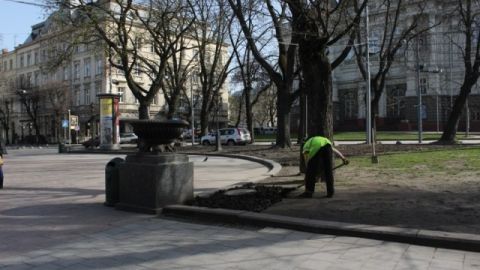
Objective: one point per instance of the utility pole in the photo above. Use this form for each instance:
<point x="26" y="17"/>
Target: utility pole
<point x="192" y="111"/>
<point x="419" y="94"/>
<point x="467" y="120"/>
<point x="368" y="116"/>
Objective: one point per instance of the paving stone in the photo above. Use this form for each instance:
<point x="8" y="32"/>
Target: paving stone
<point x="104" y="238"/>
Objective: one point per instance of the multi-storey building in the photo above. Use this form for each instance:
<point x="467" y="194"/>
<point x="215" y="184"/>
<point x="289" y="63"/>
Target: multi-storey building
<point x="434" y="68"/>
<point x="72" y="88"/>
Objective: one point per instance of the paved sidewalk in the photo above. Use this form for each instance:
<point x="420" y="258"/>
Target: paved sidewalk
<point x="168" y="244"/>
<point x="52" y="198"/>
<point x="52" y="217"/>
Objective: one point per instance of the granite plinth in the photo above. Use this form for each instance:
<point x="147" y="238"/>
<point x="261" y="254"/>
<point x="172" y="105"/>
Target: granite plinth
<point x="150" y="181"/>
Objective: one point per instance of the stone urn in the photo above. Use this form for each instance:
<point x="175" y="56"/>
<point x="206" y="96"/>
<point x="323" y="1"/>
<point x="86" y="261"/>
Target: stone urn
<point x="157" y="135"/>
<point x="154" y="177"/>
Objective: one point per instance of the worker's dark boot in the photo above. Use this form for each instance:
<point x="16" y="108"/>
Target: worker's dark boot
<point x="305" y="194"/>
<point x="330" y="189"/>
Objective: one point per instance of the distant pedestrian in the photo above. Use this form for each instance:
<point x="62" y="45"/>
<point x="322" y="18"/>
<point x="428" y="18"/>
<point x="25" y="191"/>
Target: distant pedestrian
<point x="318" y="156"/>
<point x="3" y="150"/>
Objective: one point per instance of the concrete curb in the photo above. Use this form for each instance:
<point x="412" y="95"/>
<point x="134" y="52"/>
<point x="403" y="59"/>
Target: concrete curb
<point x="273" y="166"/>
<point x="469" y="242"/>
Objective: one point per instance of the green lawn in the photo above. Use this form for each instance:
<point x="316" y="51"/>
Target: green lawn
<point x="381" y="136"/>
<point x="450" y="161"/>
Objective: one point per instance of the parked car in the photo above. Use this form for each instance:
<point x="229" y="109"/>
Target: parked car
<point x="129" y="137"/>
<point x="92" y="142"/>
<point x="229" y="136"/>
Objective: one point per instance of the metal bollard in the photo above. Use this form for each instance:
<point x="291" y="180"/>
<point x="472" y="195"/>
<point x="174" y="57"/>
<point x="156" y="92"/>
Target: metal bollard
<point x="111" y="181"/>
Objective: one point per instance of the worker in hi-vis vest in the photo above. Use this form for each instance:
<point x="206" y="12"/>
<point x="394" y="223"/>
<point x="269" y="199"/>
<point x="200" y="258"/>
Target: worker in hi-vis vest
<point x="317" y="153"/>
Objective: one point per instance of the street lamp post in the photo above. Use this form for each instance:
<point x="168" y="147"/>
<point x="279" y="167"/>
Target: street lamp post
<point x="69" y="132"/>
<point x="192" y="111"/>
<point x="218" y="139"/>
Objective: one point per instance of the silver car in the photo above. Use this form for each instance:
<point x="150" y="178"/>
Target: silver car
<point x="128" y="137"/>
<point x="228" y="136"/>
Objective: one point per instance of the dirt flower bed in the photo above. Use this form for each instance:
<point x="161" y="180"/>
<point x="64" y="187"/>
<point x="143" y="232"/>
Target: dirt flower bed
<point x="416" y="197"/>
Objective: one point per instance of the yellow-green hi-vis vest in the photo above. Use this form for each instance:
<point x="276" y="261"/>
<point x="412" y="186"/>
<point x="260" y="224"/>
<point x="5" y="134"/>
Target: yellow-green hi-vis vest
<point x="314" y="144"/>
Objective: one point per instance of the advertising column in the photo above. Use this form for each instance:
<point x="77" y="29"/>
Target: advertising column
<point x="109" y="121"/>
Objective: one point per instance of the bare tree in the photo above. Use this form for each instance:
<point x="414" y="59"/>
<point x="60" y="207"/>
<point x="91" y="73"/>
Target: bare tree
<point x="139" y="38"/>
<point x="281" y="70"/>
<point x="254" y="82"/>
<point x="317" y="25"/>
<point x="235" y="102"/>
<point x="177" y="73"/>
<point x="394" y="31"/>
<point x="58" y="98"/>
<point x="210" y="34"/>
<point x="468" y="29"/>
<point x="265" y="110"/>
<point x="30" y="98"/>
<point x="5" y="116"/>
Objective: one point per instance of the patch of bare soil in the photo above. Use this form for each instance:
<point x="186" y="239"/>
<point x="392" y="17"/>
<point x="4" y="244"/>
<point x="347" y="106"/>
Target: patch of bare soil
<point x="434" y="201"/>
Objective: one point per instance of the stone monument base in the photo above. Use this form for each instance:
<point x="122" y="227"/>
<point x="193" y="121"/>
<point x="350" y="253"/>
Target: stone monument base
<point x="149" y="181"/>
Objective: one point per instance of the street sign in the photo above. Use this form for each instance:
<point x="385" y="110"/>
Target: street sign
<point x="64" y="123"/>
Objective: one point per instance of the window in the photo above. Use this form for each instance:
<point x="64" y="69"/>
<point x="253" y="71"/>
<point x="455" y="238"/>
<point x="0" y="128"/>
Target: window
<point x="138" y="43"/>
<point x="348" y="103"/>
<point x="194" y="77"/>
<point x="76" y="70"/>
<point x="396" y="102"/>
<point x="86" y="67"/>
<point x="86" y="93"/>
<point x="423" y="85"/>
<point x="119" y="70"/>
<point x="474" y="115"/>
<point x="98" y="88"/>
<point x="11" y="64"/>
<point x="35" y="60"/>
<point x="30" y="79"/>
<point x="43" y="56"/>
<point x="36" y="76"/>
<point x="121" y="92"/>
<point x="76" y="94"/>
<point x="195" y="55"/>
<point x="65" y="73"/>
<point x="5" y="66"/>
<point x="21" y="61"/>
<point x="98" y="66"/>
<point x="137" y="69"/>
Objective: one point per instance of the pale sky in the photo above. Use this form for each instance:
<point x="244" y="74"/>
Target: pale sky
<point x="16" y="19"/>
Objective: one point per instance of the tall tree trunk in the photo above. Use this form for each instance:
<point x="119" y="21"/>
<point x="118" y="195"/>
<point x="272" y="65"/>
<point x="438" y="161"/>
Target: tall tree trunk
<point x="451" y="127"/>
<point x="283" y="116"/>
<point x="248" y="111"/>
<point x="143" y="111"/>
<point x="203" y="121"/>
<point x="317" y="73"/>
<point x="303" y="114"/>
<point x="374" y="105"/>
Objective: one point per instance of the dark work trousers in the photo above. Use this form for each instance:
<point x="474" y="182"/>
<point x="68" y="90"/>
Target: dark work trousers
<point x="320" y="164"/>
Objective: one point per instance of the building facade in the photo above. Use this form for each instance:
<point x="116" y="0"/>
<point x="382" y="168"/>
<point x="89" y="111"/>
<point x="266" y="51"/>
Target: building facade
<point x="37" y="96"/>
<point x="430" y="64"/>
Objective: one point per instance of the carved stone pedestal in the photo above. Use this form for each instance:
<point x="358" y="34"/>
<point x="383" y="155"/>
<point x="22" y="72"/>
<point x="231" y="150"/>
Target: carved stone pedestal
<point x="149" y="181"/>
